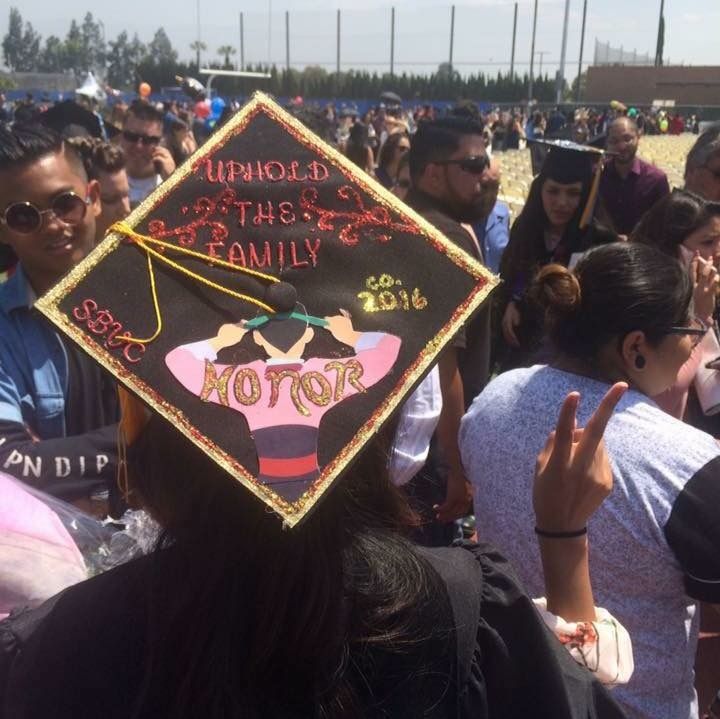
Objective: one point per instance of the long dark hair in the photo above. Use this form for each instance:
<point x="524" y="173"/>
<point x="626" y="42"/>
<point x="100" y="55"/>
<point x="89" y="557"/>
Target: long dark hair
<point x="527" y="235"/>
<point x="387" y="151"/>
<point x="614" y="290"/>
<point x="526" y="251"/>
<point x="358" y="144"/>
<point x="672" y="220"/>
<point x="248" y="619"/>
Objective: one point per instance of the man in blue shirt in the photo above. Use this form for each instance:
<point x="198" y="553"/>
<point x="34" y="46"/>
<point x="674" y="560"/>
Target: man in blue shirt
<point x="494" y="233"/>
<point x="57" y="408"/>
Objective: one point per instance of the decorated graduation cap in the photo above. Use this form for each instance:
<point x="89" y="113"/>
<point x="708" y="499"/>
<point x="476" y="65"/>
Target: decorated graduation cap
<point x="568" y="162"/>
<point x="273" y="303"/>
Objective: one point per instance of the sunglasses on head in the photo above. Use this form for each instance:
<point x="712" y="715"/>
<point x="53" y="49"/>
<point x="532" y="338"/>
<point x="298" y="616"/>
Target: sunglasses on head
<point x="25" y="218"/>
<point x="146" y="140"/>
<point x="475" y="165"/>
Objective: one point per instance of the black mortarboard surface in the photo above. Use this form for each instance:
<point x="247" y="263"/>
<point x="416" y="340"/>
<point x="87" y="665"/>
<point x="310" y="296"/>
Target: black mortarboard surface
<point x="563" y="160"/>
<point x="390" y="98"/>
<point x="284" y="375"/>
<point x="68" y="112"/>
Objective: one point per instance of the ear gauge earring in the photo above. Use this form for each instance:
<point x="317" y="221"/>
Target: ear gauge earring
<point x="639" y="362"/>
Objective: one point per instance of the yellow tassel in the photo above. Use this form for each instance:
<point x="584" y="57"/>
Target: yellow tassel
<point x="587" y="214"/>
<point x="143" y="241"/>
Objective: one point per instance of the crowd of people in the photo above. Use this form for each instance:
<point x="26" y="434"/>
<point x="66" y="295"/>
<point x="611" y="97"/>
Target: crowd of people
<point x="605" y="319"/>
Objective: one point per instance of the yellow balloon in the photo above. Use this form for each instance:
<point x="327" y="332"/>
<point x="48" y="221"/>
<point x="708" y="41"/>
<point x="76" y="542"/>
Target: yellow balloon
<point x="144" y="90"/>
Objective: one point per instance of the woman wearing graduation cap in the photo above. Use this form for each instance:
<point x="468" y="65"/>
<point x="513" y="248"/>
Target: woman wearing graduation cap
<point x="557" y="224"/>
<point x="233" y="617"/>
<point x="337" y="616"/>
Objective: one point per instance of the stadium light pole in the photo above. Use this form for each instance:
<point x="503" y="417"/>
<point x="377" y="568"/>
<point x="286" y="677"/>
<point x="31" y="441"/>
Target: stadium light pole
<point x="532" y="54"/>
<point x="337" y="63"/>
<point x="582" y="47"/>
<point x="242" y="41"/>
<point x="287" y="39"/>
<point x="560" y="81"/>
<point x="392" y="42"/>
<point x="452" y="36"/>
<point x="197" y="17"/>
<point x="512" y="52"/>
<point x="269" y="34"/>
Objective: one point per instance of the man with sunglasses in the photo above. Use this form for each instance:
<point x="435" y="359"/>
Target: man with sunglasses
<point x="57" y="407"/>
<point x="702" y="168"/>
<point x="148" y="162"/>
<point x="451" y="185"/>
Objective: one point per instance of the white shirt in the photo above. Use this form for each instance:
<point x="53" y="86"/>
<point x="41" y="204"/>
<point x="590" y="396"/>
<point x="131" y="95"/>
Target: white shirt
<point x="418" y="419"/>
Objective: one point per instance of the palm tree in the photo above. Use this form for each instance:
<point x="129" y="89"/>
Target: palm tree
<point x="225" y="51"/>
<point x="199" y="46"/>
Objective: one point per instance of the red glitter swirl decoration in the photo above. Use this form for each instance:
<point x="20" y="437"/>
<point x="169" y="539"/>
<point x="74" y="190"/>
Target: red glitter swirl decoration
<point x="375" y="222"/>
<point x="202" y="209"/>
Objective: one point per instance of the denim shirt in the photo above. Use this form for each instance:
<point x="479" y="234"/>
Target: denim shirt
<point x="33" y="363"/>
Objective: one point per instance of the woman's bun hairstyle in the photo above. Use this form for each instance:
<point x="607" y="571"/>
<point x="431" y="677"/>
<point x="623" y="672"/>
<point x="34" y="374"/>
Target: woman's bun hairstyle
<point x="557" y="290"/>
<point x="614" y="289"/>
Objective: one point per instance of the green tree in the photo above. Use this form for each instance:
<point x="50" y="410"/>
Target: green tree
<point x="197" y="47"/>
<point x="21" y="44"/>
<point x="225" y="51"/>
<point x="160" y="64"/>
<point x="160" y="50"/>
<point x="93" y="44"/>
<point x="124" y="57"/>
<point x="73" y="50"/>
<point x="12" y="42"/>
<point x="52" y="55"/>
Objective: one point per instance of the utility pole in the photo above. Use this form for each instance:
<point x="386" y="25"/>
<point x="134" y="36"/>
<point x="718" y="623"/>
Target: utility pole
<point x="512" y="52"/>
<point x="337" y="62"/>
<point x="287" y="39"/>
<point x="560" y="78"/>
<point x="582" y="47"/>
<point x="452" y="35"/>
<point x="532" y="54"/>
<point x="242" y="42"/>
<point x="392" y="42"/>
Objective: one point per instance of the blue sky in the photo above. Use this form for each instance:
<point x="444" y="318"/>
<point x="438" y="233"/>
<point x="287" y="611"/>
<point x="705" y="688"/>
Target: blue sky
<point x="483" y="29"/>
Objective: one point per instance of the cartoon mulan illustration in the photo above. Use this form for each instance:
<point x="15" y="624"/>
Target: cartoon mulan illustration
<point x="284" y="397"/>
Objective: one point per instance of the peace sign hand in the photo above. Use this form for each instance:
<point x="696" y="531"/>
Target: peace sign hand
<point x="572" y="474"/>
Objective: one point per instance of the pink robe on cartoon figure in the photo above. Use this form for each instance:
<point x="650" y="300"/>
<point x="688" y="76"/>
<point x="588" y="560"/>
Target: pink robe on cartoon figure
<point x="283" y="401"/>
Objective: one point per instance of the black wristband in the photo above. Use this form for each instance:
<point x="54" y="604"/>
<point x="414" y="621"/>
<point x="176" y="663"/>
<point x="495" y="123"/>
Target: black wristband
<point x="560" y="535"/>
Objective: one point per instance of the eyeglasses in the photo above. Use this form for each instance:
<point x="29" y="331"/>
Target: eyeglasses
<point x="697" y="329"/>
<point x="147" y="140"/>
<point x="475" y="165"/>
<point x="25" y="218"/>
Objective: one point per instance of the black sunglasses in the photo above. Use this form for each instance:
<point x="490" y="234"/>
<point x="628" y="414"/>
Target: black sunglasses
<point x="475" y="165"/>
<point x="147" y="140"/>
<point x="25" y="218"/>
